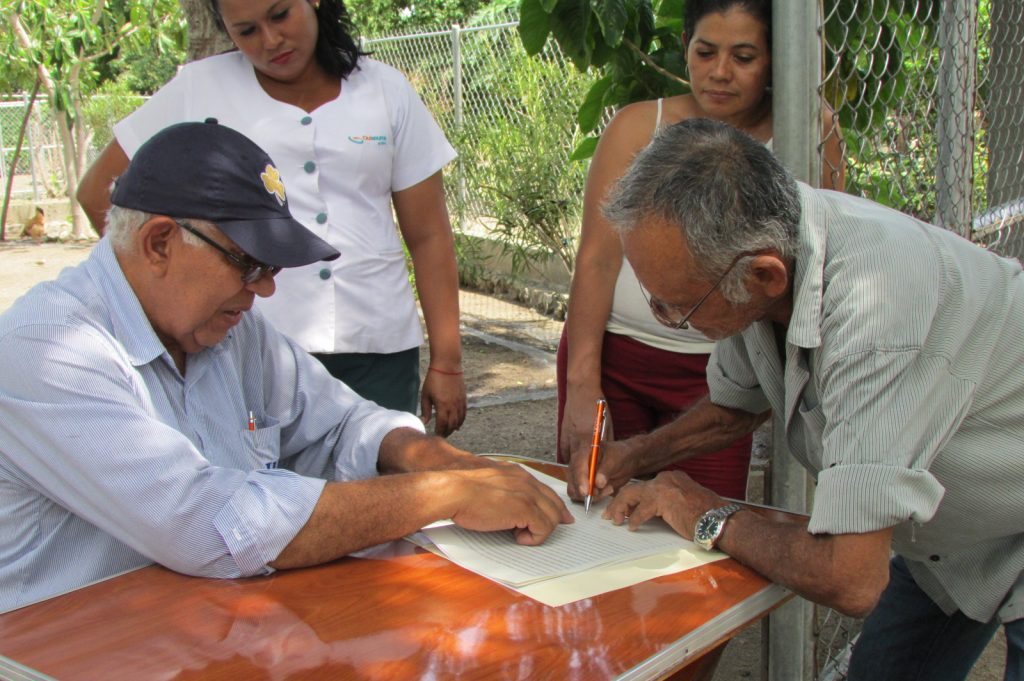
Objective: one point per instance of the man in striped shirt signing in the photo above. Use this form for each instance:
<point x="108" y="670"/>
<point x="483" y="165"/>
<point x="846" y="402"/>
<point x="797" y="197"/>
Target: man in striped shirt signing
<point x="890" y="353"/>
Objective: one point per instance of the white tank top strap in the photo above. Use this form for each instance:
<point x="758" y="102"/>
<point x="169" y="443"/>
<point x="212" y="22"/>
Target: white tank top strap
<point x="631" y="315"/>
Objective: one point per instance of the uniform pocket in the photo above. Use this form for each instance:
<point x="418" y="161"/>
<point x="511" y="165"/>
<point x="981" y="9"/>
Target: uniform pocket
<point x="262" y="447"/>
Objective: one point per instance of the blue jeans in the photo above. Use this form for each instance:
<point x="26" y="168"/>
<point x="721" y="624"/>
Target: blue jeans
<point x="908" y="638"/>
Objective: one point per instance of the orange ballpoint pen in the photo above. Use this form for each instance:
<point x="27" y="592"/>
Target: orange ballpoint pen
<point x="599" y="425"/>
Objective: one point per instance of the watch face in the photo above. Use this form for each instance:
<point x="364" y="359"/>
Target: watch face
<point x="707" y="531"/>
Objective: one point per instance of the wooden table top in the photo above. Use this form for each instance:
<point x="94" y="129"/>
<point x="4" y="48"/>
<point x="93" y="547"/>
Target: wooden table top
<point x="409" y="614"/>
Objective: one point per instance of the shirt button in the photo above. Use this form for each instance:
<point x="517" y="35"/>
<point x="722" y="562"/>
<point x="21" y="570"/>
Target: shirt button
<point x="306" y="120"/>
<point x="321" y="218"/>
<point x="325" y="273"/>
<point x="309" y="167"/>
<point x="933" y="558"/>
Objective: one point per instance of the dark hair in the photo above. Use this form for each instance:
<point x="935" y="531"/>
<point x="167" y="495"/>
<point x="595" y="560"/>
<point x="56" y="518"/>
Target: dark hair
<point x="336" y="50"/>
<point x="727" y="193"/>
<point x="696" y="10"/>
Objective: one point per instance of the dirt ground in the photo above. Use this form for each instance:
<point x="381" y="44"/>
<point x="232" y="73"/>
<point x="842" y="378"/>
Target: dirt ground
<point x="512" y="410"/>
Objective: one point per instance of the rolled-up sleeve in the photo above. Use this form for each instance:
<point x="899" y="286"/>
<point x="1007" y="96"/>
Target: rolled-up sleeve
<point x="327" y="430"/>
<point x="887" y="414"/>
<point x="267" y="499"/>
<point x="868" y="497"/>
<point x="90" y="438"/>
<point x="732" y="381"/>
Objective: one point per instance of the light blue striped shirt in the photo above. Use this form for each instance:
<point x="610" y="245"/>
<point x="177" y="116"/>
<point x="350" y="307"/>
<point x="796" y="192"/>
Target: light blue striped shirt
<point x="902" y="393"/>
<point x="111" y="459"/>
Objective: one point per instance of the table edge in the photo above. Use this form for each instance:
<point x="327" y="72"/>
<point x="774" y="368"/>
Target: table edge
<point x="14" y="671"/>
<point x="714" y="631"/>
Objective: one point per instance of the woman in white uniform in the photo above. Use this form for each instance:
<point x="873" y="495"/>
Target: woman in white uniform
<point x="352" y="140"/>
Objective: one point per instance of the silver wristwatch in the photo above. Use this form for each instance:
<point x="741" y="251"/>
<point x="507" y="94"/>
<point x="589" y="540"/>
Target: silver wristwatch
<point x="710" y="526"/>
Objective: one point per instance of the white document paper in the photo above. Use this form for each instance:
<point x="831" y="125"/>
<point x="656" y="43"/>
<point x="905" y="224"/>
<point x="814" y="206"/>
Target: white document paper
<point x="590" y="542"/>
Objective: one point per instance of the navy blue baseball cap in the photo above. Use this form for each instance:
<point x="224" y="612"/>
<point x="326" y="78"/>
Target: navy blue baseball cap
<point x="209" y="171"/>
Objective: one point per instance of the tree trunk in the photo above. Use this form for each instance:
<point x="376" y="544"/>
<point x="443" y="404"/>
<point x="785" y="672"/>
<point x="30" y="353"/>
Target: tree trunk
<point x="71" y="174"/>
<point x="204" y="37"/>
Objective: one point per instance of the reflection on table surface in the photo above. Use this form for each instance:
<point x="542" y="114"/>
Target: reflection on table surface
<point x="402" y="614"/>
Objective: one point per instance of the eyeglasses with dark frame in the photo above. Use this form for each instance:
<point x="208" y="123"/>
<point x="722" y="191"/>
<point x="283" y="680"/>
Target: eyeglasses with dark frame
<point x="252" y="270"/>
<point x="668" y="315"/>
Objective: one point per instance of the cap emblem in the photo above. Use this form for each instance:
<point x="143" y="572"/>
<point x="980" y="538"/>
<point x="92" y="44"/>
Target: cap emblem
<point x="272" y="182"/>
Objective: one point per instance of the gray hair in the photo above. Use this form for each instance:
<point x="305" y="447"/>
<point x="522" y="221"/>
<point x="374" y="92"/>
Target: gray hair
<point x="123" y="223"/>
<point x="724" y="189"/>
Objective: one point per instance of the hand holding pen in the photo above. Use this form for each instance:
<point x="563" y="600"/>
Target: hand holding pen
<point x="599" y="427"/>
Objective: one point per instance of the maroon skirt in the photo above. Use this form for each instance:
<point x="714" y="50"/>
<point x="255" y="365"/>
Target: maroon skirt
<point x="647" y="387"/>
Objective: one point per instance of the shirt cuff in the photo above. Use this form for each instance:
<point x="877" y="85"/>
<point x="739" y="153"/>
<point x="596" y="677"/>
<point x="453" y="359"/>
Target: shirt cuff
<point x="264" y="515"/>
<point x="727" y="394"/>
<point x="351" y="462"/>
<point x="868" y="497"/>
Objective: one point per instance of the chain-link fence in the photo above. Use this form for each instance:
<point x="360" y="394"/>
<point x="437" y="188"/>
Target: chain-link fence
<point x="39" y="172"/>
<point x="33" y="160"/>
<point x="513" y="193"/>
<point x="929" y="94"/>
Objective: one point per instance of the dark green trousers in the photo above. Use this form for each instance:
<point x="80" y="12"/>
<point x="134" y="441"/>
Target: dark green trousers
<point x="391" y="380"/>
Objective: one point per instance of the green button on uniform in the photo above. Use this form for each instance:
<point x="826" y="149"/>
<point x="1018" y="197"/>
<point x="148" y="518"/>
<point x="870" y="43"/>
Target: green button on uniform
<point x="306" y="120"/>
<point x="309" y="167"/>
<point x="321" y="218"/>
<point x="325" y="273"/>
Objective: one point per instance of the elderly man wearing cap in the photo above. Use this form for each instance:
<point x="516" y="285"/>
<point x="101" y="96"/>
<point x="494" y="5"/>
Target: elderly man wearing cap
<point x="150" y="416"/>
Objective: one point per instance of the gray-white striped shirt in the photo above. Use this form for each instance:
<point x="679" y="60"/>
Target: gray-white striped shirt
<point x="903" y="393"/>
<point x="111" y="459"/>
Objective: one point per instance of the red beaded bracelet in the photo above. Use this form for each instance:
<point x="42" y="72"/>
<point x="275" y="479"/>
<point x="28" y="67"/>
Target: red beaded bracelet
<point x="445" y="373"/>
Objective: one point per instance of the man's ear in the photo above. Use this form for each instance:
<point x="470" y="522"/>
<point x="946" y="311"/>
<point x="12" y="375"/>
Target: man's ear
<point x="770" y="275"/>
<point x="156" y="242"/>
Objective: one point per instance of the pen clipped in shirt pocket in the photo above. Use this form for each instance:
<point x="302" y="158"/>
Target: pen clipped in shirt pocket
<point x="261" y="447"/>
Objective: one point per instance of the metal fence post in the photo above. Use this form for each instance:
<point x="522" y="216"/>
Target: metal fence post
<point x="796" y="131"/>
<point x="954" y="171"/>
<point x="796" y="75"/>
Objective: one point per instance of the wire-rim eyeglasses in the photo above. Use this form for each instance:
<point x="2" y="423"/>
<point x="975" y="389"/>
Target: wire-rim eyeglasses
<point x="252" y="270"/>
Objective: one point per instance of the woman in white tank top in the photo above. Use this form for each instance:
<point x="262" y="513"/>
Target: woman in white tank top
<point x="612" y="346"/>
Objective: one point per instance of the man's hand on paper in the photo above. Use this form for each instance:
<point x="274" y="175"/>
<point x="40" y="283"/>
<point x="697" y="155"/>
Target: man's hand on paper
<point x="506" y="497"/>
<point x="614" y="470"/>
<point x="672" y="496"/>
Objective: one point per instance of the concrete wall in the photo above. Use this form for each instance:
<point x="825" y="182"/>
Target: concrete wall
<point x="544" y="287"/>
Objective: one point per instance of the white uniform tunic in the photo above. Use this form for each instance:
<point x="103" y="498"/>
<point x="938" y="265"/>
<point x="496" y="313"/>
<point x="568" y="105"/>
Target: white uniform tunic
<point x="340" y="164"/>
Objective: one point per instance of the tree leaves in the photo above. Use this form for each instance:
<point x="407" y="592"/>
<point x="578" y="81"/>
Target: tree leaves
<point x="612" y="17"/>
<point x="571" y="27"/>
<point x="593" y="104"/>
<point x="534" y="26"/>
<point x="612" y="37"/>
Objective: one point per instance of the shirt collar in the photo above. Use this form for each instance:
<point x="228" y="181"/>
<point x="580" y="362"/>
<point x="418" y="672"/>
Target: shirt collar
<point x="128" y="321"/>
<point x="808" y="280"/>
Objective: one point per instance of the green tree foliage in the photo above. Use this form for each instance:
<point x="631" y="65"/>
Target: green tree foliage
<point x="389" y="17"/>
<point x="71" y="47"/>
<point x="526" y="187"/>
<point x="634" y="46"/>
<point x="881" y="48"/>
<point x="142" y="70"/>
